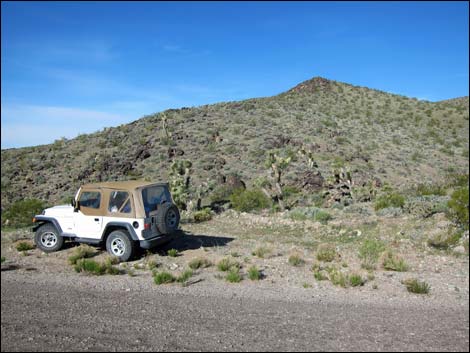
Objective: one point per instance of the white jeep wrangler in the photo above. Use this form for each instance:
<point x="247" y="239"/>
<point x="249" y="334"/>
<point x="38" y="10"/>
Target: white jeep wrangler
<point x="122" y="215"/>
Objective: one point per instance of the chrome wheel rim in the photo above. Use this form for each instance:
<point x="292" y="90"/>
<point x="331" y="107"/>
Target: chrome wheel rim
<point x="48" y="239"/>
<point x="118" y="247"/>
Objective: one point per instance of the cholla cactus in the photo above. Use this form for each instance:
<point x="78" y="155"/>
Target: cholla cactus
<point x="180" y="178"/>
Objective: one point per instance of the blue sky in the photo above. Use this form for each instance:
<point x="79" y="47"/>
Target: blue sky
<point x="76" y="67"/>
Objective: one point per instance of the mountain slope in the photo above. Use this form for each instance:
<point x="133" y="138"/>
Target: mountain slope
<point x="376" y="134"/>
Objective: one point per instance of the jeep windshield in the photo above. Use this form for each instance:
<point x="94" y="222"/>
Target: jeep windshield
<point x="153" y="196"/>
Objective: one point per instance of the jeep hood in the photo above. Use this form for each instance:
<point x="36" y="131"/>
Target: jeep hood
<point x="62" y="210"/>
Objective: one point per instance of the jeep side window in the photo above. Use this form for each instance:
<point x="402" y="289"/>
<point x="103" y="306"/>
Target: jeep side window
<point x="119" y="201"/>
<point x="90" y="199"/>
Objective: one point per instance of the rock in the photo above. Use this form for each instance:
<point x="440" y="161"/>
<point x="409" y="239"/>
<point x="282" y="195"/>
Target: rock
<point x="459" y="249"/>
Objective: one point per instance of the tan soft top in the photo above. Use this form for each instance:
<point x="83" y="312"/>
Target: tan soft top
<point x="122" y="185"/>
<point x="132" y="186"/>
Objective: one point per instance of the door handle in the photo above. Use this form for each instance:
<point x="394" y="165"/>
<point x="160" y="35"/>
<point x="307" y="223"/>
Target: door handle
<point x="97" y="219"/>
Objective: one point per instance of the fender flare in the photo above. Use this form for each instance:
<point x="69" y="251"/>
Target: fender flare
<point x="124" y="225"/>
<point x="40" y="220"/>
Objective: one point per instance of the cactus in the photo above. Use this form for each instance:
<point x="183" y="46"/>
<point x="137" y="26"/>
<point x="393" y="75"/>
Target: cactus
<point x="307" y="153"/>
<point x="180" y="178"/>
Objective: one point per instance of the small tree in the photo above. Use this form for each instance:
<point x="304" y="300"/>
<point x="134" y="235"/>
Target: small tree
<point x="277" y="165"/>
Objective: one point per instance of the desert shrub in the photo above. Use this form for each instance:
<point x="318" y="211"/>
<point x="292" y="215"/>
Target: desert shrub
<point x="369" y="253"/>
<point x="249" y="200"/>
<point x="81" y="252"/>
<point x="172" y="253"/>
<point x="356" y="280"/>
<point x="226" y="264"/>
<point x="199" y="263"/>
<point x="430" y="189"/>
<point x="390" y="199"/>
<point x="458" y="207"/>
<point x="426" y="206"/>
<point x="223" y="192"/>
<point x="24" y="246"/>
<point x="326" y="252"/>
<point x="310" y="213"/>
<point x="21" y="213"/>
<point x="393" y="262"/>
<point x="413" y="285"/>
<point x="338" y="278"/>
<point x="445" y="239"/>
<point x="184" y="277"/>
<point x="233" y="275"/>
<point x="254" y="274"/>
<point x="202" y="215"/>
<point x="296" y="260"/>
<point x="261" y="252"/>
<point x="96" y="268"/>
<point x="163" y="278"/>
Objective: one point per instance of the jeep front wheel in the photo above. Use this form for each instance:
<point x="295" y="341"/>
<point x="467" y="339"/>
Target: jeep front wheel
<point x="48" y="239"/>
<point x="120" y="245"/>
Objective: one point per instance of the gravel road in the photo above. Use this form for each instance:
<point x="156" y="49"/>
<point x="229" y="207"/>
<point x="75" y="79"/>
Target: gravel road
<point x="59" y="312"/>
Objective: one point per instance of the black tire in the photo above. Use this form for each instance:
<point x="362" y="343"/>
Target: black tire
<point x="120" y="244"/>
<point x="48" y="239"/>
<point x="168" y="218"/>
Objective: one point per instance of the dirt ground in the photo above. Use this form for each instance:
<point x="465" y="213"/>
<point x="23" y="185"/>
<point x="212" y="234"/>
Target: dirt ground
<point x="237" y="236"/>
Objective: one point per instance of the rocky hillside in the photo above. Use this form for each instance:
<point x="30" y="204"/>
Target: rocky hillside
<point x="397" y="139"/>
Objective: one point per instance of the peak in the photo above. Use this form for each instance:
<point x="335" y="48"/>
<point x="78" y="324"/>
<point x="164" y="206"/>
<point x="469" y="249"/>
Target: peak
<point x="313" y="85"/>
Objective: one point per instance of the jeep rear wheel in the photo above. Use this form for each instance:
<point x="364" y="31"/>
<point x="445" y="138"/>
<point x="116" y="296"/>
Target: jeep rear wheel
<point x="168" y="218"/>
<point x="120" y="245"/>
<point x="48" y="239"/>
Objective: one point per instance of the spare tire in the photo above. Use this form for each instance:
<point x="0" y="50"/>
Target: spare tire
<point x="168" y="218"/>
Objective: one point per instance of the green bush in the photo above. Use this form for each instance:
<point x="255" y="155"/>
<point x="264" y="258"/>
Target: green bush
<point x="96" y="268"/>
<point x="430" y="189"/>
<point x="202" y="215"/>
<point x="356" y="280"/>
<point x="199" y="263"/>
<point x="172" y="253"/>
<point x="163" y="278"/>
<point x="296" y="260"/>
<point x="445" y="239"/>
<point x="326" y="252"/>
<point x="227" y="264"/>
<point x="392" y="262"/>
<point x="369" y="253"/>
<point x="391" y="199"/>
<point x="24" y="246"/>
<point x="21" y="213"/>
<point x="223" y="192"/>
<point x="249" y="200"/>
<point x="254" y="274"/>
<point x="184" y="277"/>
<point x="261" y="252"/>
<point x="310" y="213"/>
<point x="233" y="276"/>
<point x="458" y="207"/>
<point x="81" y="252"/>
<point x="415" y="286"/>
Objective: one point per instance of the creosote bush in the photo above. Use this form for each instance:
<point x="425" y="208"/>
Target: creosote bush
<point x="369" y="253"/>
<point x="249" y="200"/>
<point x="202" y="215"/>
<point x="390" y="199"/>
<point x="21" y="213"/>
<point x="458" y="207"/>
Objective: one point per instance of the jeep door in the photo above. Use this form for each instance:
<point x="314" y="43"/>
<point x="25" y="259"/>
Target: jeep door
<point x="88" y="218"/>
